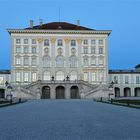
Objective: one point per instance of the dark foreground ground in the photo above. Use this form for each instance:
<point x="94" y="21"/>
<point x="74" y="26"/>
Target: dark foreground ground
<point x="69" y="120"/>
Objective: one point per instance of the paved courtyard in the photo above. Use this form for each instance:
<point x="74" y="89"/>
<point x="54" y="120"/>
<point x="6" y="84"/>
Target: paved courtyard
<point x="69" y="120"/>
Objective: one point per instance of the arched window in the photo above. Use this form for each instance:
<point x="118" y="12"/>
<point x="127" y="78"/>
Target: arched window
<point x="59" y="42"/>
<point x="46" y="61"/>
<point x="60" y="75"/>
<point x="73" y="61"/>
<point x="73" y="75"/>
<point x="46" y="75"/>
<point x="59" y="61"/>
<point x="46" y="42"/>
<point x="73" y="43"/>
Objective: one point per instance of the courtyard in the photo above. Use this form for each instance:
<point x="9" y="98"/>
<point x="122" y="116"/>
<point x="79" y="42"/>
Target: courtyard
<point x="68" y="120"/>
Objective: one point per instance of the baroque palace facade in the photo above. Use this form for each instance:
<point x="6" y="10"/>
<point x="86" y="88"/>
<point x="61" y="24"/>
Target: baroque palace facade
<point x="63" y="60"/>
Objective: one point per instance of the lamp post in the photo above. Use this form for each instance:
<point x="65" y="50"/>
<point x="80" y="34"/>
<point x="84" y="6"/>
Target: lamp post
<point x="10" y="95"/>
<point x="111" y="90"/>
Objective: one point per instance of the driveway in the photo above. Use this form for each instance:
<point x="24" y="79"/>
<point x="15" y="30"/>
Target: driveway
<point x="69" y="120"/>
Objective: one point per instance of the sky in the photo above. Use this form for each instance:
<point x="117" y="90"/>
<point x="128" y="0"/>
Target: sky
<point x="120" y="16"/>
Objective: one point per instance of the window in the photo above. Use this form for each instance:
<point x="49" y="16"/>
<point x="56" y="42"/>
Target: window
<point x="93" y="41"/>
<point x="85" y="76"/>
<point x="26" y="61"/>
<point x="33" y="49"/>
<point x="18" y="50"/>
<point x="100" y="42"/>
<point x="18" y="41"/>
<point x="33" y="41"/>
<point x="18" y="61"/>
<point x="46" y="75"/>
<point x="26" y="77"/>
<point x="93" y="60"/>
<point x="73" y="61"/>
<point x="85" y="42"/>
<point x="25" y="41"/>
<point x="100" y="50"/>
<point x="93" y="76"/>
<point x="46" y="61"/>
<point x="126" y="79"/>
<point x="101" y="60"/>
<point x="85" y="61"/>
<point x="73" y="43"/>
<point x="25" y="49"/>
<point x="60" y="42"/>
<point x="46" y="42"/>
<point x="17" y="76"/>
<point x="85" y="50"/>
<point x="34" y="62"/>
<point x="93" y="51"/>
<point x="59" y="61"/>
<point x="34" y="76"/>
<point x="116" y="79"/>
<point x="137" y="79"/>
<point x="1" y="80"/>
<point x="101" y="76"/>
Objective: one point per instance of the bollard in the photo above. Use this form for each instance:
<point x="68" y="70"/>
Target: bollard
<point x="111" y="100"/>
<point x="19" y="100"/>
<point x="101" y="99"/>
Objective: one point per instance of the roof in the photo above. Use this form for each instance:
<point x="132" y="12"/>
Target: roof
<point x="137" y="66"/>
<point x="124" y="71"/>
<point x="5" y="72"/>
<point x="59" y="26"/>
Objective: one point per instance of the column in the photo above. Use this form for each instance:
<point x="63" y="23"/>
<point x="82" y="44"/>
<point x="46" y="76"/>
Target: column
<point x="40" y="41"/>
<point x="53" y="55"/>
<point x="67" y="54"/>
<point x="53" y="92"/>
<point x="80" y="73"/>
<point x="67" y="92"/>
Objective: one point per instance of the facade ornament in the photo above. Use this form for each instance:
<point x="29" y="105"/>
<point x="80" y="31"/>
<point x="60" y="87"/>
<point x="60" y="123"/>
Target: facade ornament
<point x="53" y="40"/>
<point x="67" y="40"/>
<point x="79" y="40"/>
<point x="40" y="40"/>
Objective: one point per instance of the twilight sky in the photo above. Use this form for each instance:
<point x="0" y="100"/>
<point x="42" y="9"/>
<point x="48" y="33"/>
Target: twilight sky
<point x="120" y="16"/>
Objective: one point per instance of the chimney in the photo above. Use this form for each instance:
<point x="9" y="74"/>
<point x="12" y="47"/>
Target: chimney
<point x="78" y="22"/>
<point x="40" y="22"/>
<point x="31" y="23"/>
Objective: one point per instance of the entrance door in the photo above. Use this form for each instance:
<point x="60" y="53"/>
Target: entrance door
<point x="2" y="93"/>
<point x="60" y="92"/>
<point x="45" y="92"/>
<point x="74" y="92"/>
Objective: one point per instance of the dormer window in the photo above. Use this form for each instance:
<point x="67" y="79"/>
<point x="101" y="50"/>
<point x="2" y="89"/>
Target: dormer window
<point x="60" y="42"/>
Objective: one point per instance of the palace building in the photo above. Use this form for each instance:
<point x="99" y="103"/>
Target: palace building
<point x="60" y="60"/>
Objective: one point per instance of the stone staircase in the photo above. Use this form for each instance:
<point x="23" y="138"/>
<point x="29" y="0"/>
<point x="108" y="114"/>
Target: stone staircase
<point x="99" y="91"/>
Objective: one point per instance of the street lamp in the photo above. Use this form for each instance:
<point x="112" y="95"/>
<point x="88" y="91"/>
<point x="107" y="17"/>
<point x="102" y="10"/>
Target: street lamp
<point x="110" y="89"/>
<point x="10" y="95"/>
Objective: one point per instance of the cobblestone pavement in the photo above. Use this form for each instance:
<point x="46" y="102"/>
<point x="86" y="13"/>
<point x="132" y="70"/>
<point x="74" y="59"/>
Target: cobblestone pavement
<point x="69" y="120"/>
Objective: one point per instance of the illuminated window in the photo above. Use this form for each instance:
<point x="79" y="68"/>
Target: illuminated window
<point x="34" y="76"/>
<point x="18" y="77"/>
<point x="26" y="77"/>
